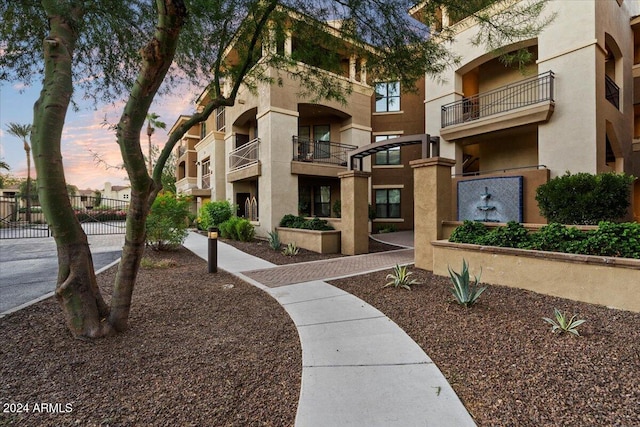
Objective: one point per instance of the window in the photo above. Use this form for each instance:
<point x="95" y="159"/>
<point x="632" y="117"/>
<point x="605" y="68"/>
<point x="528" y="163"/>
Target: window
<point x="388" y="203"/>
<point x="203" y="129"/>
<point x="390" y="156"/>
<point x="387" y="97"/>
<point x="322" y="201"/>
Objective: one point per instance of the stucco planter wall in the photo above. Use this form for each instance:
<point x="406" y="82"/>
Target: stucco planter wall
<point x="613" y="282"/>
<point x="324" y="242"/>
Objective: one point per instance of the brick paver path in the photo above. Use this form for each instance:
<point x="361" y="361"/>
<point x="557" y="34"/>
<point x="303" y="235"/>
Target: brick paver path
<point x="328" y="269"/>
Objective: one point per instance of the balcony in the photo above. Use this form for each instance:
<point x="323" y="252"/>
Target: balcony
<point x="244" y="161"/>
<point x="612" y="92"/>
<point x="321" y="158"/>
<point x="525" y="102"/>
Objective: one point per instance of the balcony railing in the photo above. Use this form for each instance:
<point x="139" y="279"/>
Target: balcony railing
<point x="612" y="91"/>
<point x="526" y="92"/>
<point x="245" y="155"/>
<point x="334" y="153"/>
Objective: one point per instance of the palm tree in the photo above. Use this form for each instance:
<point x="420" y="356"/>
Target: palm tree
<point x="4" y="165"/>
<point x="152" y="124"/>
<point x="23" y="132"/>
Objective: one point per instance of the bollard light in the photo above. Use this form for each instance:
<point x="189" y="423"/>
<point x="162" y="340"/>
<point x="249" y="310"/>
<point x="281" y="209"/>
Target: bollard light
<point x="213" y="250"/>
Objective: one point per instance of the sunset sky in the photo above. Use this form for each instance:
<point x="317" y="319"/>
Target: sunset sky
<point x="83" y="133"/>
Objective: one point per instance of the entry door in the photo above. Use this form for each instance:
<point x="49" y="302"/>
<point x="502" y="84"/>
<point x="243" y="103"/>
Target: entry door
<point x="241" y="201"/>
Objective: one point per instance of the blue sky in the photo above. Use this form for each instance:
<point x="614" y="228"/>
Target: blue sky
<point x="82" y="134"/>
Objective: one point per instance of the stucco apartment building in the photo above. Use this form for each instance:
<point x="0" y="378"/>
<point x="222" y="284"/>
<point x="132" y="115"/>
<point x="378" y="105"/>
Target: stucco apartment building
<point x="575" y="107"/>
<point x="275" y="153"/>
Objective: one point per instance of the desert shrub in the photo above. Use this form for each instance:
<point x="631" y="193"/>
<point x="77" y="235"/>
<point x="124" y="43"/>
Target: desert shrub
<point x="237" y="229"/>
<point x="585" y="198"/>
<point x="274" y="240"/>
<point x="609" y="239"/>
<point x="399" y="278"/>
<point x="513" y="235"/>
<point x="212" y="214"/>
<point x="167" y="222"/>
<point x="464" y="292"/>
<point x="291" y="249"/>
<point x="292" y="221"/>
<point x="612" y="239"/>
<point x="469" y="232"/>
<point x="562" y="323"/>
<point x="557" y="238"/>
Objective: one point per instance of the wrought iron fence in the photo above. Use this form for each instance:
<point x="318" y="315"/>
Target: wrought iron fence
<point x="245" y="155"/>
<point x="307" y="150"/>
<point x="97" y="215"/>
<point x="526" y="92"/>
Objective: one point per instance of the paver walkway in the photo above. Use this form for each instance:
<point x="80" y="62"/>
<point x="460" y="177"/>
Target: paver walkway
<point x="358" y="367"/>
<point x="330" y="269"/>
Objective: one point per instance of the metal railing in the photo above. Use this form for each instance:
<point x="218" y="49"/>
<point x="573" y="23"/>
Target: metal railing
<point x="245" y="155"/>
<point x="97" y="215"/>
<point x="530" y="91"/>
<point x="206" y="181"/>
<point x="612" y="91"/>
<point x="334" y="153"/>
<point x="504" y="170"/>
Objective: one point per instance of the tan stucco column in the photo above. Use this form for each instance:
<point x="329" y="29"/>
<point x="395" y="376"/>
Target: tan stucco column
<point x="432" y="204"/>
<point x="354" y="195"/>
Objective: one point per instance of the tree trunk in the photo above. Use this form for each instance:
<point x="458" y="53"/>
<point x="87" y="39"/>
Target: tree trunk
<point x="76" y="288"/>
<point x="157" y="57"/>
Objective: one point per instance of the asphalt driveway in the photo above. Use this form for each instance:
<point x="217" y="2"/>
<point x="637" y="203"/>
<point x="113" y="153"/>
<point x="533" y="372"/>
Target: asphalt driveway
<point x="29" y="267"/>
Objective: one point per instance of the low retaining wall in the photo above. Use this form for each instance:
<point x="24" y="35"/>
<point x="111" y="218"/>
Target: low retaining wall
<point x="324" y="242"/>
<point x="613" y="282"/>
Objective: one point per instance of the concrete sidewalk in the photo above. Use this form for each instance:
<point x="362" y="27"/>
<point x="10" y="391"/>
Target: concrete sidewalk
<point x="359" y="368"/>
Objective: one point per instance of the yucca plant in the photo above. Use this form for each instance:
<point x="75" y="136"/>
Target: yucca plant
<point x="463" y="291"/>
<point x="563" y="324"/>
<point x="400" y="278"/>
<point x="274" y="240"/>
<point x="291" y="249"/>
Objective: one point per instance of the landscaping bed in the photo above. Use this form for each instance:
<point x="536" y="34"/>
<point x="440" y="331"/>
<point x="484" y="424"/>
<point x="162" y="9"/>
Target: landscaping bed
<point x="503" y="361"/>
<point x="199" y="352"/>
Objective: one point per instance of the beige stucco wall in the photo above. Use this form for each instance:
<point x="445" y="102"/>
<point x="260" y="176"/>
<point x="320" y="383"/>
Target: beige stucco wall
<point x="509" y="152"/>
<point x="323" y="242"/>
<point x="277" y="187"/>
<point x="596" y="280"/>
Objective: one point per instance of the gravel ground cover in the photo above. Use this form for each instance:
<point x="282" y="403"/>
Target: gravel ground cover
<point x="212" y="350"/>
<point x="501" y="357"/>
<point x="203" y="350"/>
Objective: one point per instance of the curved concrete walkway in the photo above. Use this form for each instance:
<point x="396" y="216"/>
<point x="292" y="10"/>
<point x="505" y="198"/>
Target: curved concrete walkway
<point x="359" y="368"/>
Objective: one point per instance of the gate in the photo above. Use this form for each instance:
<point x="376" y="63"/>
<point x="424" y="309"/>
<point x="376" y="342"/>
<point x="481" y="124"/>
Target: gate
<point x="96" y="214"/>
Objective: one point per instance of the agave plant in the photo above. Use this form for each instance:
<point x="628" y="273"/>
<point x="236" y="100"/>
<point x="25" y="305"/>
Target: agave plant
<point x="562" y="323"/>
<point x="400" y="278"/>
<point x="463" y="291"/>
<point x="291" y="249"/>
<point x="274" y="240"/>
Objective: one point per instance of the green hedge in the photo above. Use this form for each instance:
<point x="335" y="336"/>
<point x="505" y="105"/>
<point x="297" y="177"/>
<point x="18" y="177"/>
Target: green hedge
<point x="292" y="221"/>
<point x="237" y="229"/>
<point x="212" y="214"/>
<point x="609" y="239"/>
<point x="584" y="198"/>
